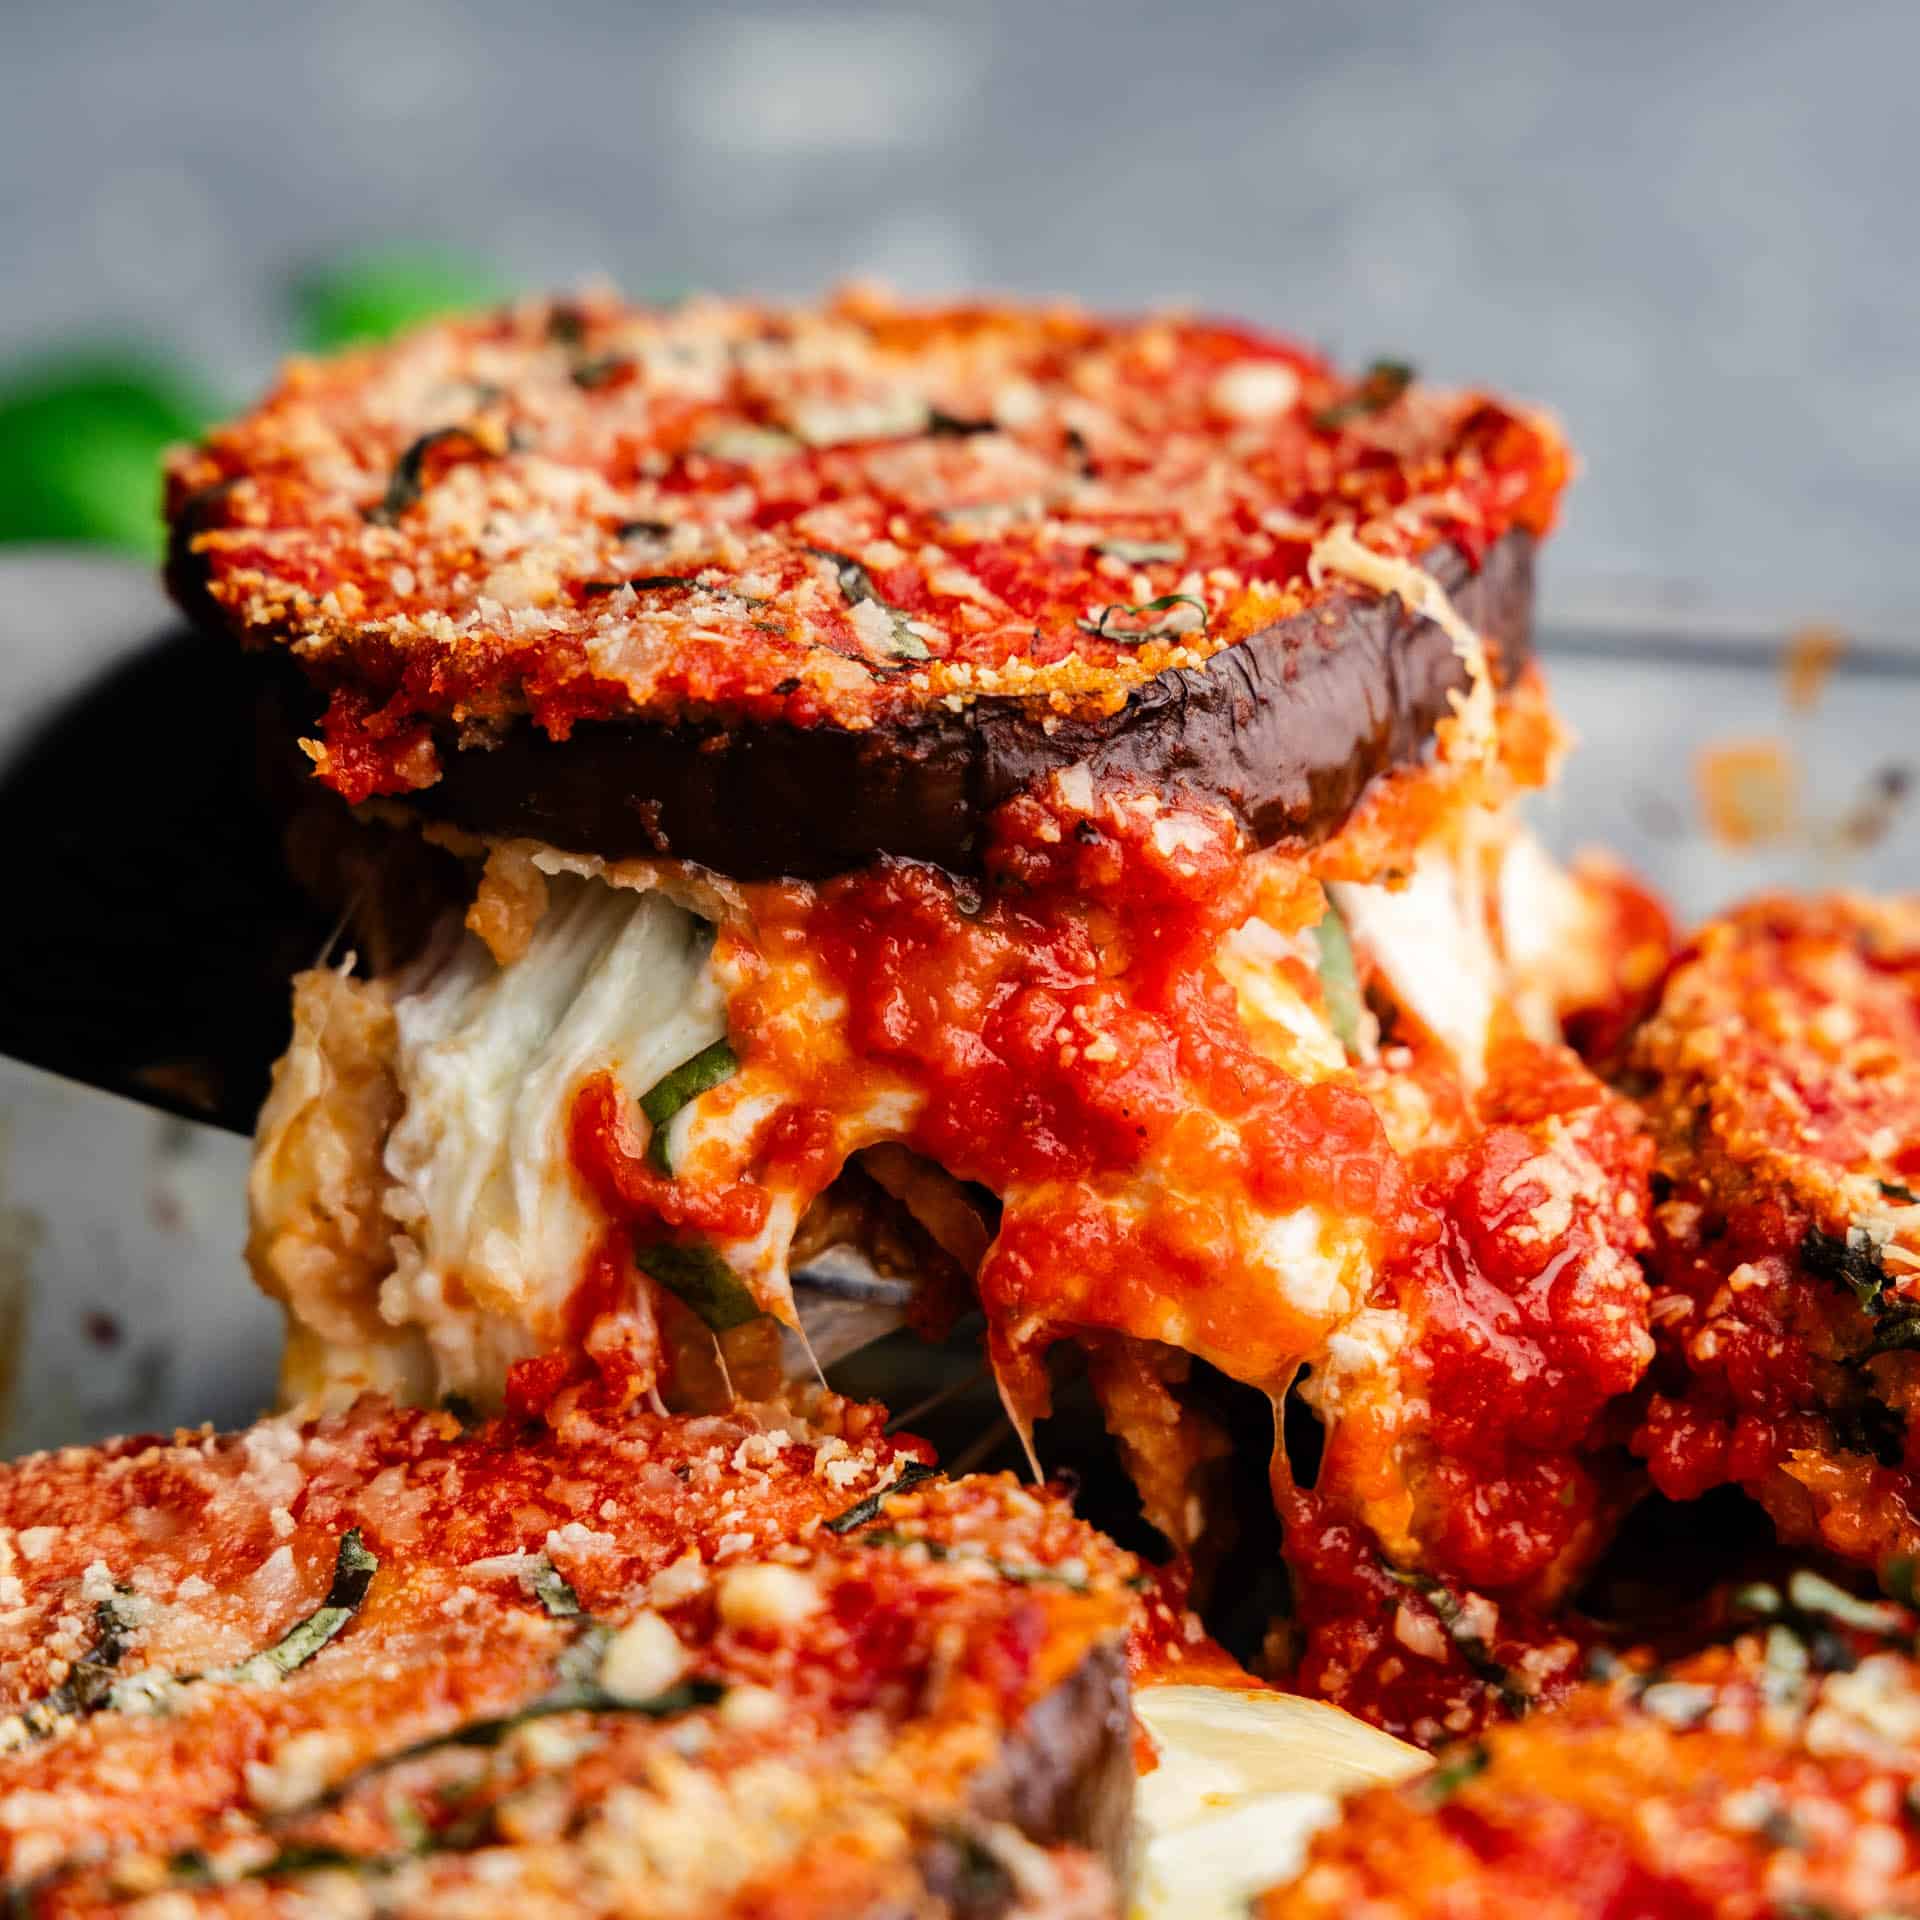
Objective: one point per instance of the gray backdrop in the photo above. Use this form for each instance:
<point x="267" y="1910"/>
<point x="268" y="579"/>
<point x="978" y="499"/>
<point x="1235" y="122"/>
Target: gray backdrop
<point x="1691" y="227"/>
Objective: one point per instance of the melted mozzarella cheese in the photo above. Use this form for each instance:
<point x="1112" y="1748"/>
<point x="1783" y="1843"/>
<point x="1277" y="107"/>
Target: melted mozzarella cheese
<point x="1429" y="942"/>
<point x="488" y="1060"/>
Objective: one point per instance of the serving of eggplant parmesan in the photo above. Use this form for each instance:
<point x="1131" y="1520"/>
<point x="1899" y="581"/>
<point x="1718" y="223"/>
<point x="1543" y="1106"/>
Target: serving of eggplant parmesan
<point x="1029" y="795"/>
<point x="1781" y="1076"/>
<point x="1774" y="1774"/>
<point x="1004" y="822"/>
<point x="763" y="1663"/>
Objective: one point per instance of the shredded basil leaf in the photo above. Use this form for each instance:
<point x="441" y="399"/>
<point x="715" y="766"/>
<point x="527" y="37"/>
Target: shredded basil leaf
<point x="353" y="1570"/>
<point x="941" y="422"/>
<point x="1339" y="980"/>
<point x="1895" y="1190"/>
<point x="641" y="583"/>
<point x="554" y="1591"/>
<point x="687" y="1082"/>
<point x="599" y="370"/>
<point x="856" y="585"/>
<point x="1022" y="1576"/>
<point x="404" y="484"/>
<point x="1853" y="1261"/>
<point x="1141" y="553"/>
<point x="697" y="1277"/>
<point x="1472" y="1649"/>
<point x="89" y="1684"/>
<point x="1896" y="1331"/>
<point x="1102" y="628"/>
<point x="863" y="1513"/>
<point x="644" y="529"/>
<point x="1377" y="389"/>
<point x="1455" y="1771"/>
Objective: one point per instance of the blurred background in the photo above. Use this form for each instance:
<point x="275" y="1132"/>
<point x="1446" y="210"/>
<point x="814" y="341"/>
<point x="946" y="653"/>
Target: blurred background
<point x="1691" y="228"/>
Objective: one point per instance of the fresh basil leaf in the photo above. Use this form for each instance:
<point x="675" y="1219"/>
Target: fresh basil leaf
<point x="84" y="436"/>
<point x="1853" y="1261"/>
<point x="1339" y="980"/>
<point x="374" y="296"/>
<point x="403" y="484"/>
<point x="89" y="1684"/>
<point x="1102" y="626"/>
<point x="1377" y="389"/>
<point x="863" y="1513"/>
<point x="698" y="1278"/>
<point x="555" y="1592"/>
<point x="353" y="1570"/>
<point x="856" y="584"/>
<point x="687" y="1082"/>
<point x="1454" y="1771"/>
<point x="1896" y="1190"/>
<point x="1019" y="1575"/>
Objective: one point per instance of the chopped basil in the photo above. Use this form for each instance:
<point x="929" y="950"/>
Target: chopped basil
<point x="403" y="485"/>
<point x="89" y="1683"/>
<point x="698" y="1278"/>
<point x="1377" y="389"/>
<point x="1895" y="1190"/>
<point x="1454" y="1771"/>
<point x="863" y="1513"/>
<point x="941" y="422"/>
<point x="856" y="584"/>
<point x="687" y="1082"/>
<point x="1472" y="1649"/>
<point x="644" y="529"/>
<point x="1141" y="553"/>
<point x="1853" y="1261"/>
<point x="1102" y="627"/>
<point x="599" y="370"/>
<point x="1896" y="1331"/>
<point x="1339" y="981"/>
<point x="1023" y="1576"/>
<point x="554" y="1592"/>
<point x="641" y="583"/>
<point x="353" y="1571"/>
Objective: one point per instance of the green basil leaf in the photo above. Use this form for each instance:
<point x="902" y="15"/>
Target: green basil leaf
<point x="353" y="1570"/>
<point x="697" y="1277"/>
<point x="1853" y="1261"/>
<point x="1102" y="627"/>
<point x="554" y="1591"/>
<point x="403" y="484"/>
<point x="856" y="584"/>
<point x="687" y="1082"/>
<point x="374" y="296"/>
<point x="863" y="1513"/>
<point x="1377" y="389"/>
<point x="84" y="436"/>
<point x="1339" y="981"/>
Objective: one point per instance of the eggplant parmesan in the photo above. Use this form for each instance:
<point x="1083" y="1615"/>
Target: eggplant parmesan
<point x="1780" y="1073"/>
<point x="1028" y="792"/>
<point x="759" y="1664"/>
<point x="1776" y="1774"/>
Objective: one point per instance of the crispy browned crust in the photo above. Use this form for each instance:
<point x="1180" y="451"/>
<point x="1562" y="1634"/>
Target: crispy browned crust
<point x="779" y="590"/>
<point x="1772" y="1776"/>
<point x="844" y="1693"/>
<point x="1285" y="729"/>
